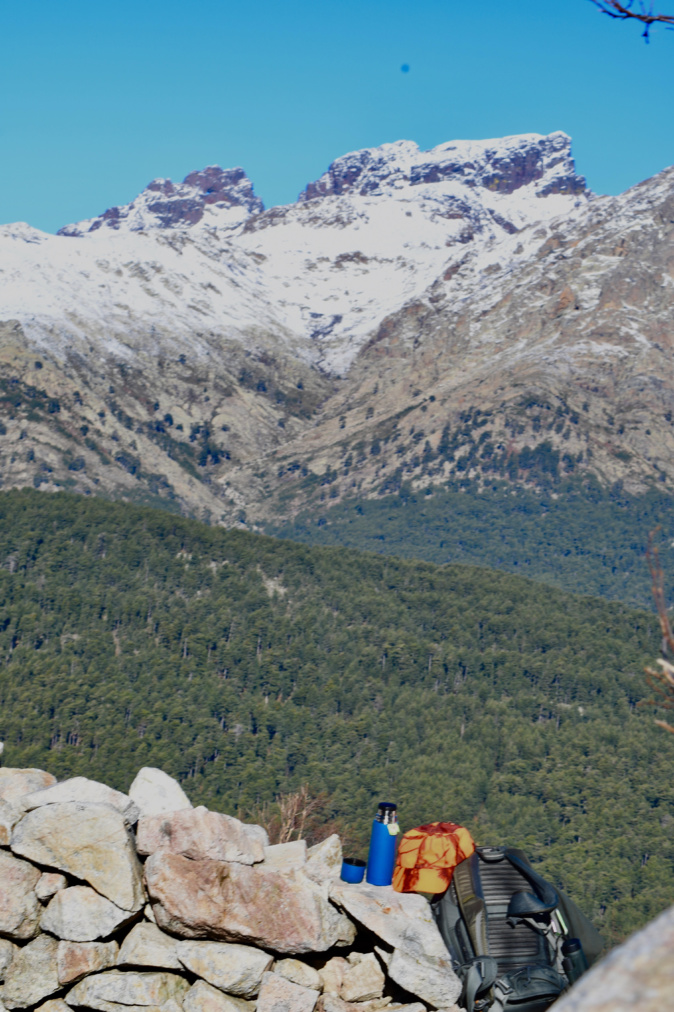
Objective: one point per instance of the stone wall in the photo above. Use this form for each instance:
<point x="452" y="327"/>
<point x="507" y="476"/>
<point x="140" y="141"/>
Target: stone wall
<point x="141" y="903"/>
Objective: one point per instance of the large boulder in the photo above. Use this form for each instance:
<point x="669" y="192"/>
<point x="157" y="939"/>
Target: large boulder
<point x="203" y="997"/>
<point x="286" y="856"/>
<point x="20" y="910"/>
<point x="7" y="953"/>
<point x="299" y="973"/>
<point x="332" y="975"/>
<point x="324" y="860"/>
<point x="197" y="833"/>
<point x="75" y="960"/>
<point x="88" y="841"/>
<point x="430" y="978"/>
<point x="122" y="991"/>
<point x="80" y="914"/>
<point x="363" y="980"/>
<point x="280" y="995"/>
<point x="156" y="793"/>
<point x="86" y="791"/>
<point x="16" y="783"/>
<point x="32" y="974"/>
<point x="239" y="903"/>
<point x="637" y="976"/>
<point x="236" y="969"/>
<point x="146" y="945"/>
<point x="10" y="814"/>
<point x="402" y="920"/>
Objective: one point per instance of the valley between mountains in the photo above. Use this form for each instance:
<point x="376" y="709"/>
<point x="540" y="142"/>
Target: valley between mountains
<point x="418" y="323"/>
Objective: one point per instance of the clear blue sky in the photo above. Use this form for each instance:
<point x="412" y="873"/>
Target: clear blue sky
<point x="97" y="98"/>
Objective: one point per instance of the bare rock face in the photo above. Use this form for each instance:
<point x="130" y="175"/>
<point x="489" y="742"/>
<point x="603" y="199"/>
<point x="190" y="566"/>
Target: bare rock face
<point x="80" y="914"/>
<point x="197" y="833"/>
<point x="53" y="1005"/>
<point x="75" y="960"/>
<point x="637" y="976"/>
<point x="430" y="978"/>
<point x="258" y="833"/>
<point x="19" y="907"/>
<point x="156" y="793"/>
<point x="286" y="856"/>
<point x="116" y="991"/>
<point x="7" y="953"/>
<point x="146" y="945"/>
<point x="15" y="783"/>
<point x="299" y="973"/>
<point x="203" y="997"/>
<point x="364" y="980"/>
<point x="49" y="883"/>
<point x="237" y="903"/>
<point x="33" y="973"/>
<point x="280" y="995"/>
<point x="83" y="790"/>
<point x="88" y="841"/>
<point x="324" y="860"/>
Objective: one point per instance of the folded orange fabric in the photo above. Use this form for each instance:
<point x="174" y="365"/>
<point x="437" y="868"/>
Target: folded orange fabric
<point x="428" y="855"/>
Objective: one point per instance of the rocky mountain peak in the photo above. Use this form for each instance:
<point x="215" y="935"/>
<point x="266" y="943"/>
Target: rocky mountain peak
<point x="164" y="204"/>
<point x="502" y="166"/>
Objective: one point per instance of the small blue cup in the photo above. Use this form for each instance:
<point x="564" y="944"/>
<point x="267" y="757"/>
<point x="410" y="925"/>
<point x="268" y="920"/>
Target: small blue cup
<point x="353" y="870"/>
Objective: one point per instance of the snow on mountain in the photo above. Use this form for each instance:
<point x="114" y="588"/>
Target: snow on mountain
<point x="186" y="267"/>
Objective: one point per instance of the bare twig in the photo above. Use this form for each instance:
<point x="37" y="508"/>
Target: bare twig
<point x="626" y="11"/>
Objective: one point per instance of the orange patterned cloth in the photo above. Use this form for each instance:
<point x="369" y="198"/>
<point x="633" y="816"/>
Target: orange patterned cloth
<point x="428" y="855"/>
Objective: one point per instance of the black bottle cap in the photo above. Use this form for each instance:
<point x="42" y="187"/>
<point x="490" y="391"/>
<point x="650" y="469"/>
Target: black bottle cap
<point x="387" y="806"/>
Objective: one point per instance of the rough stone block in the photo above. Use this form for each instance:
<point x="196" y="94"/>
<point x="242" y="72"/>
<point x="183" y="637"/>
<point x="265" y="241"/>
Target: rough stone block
<point x="79" y="914"/>
<point x="198" y="834"/>
<point x="121" y="991"/>
<point x="33" y="973"/>
<point x="147" y="946"/>
<point x="49" y="883"/>
<point x="280" y="995"/>
<point x="203" y="997"/>
<point x="236" y="969"/>
<point x="155" y="792"/>
<point x="299" y="973"/>
<point x="86" y="791"/>
<point x="20" y="910"/>
<point x="75" y="960"/>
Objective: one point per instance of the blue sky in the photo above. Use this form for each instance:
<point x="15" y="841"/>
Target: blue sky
<point x="98" y="98"/>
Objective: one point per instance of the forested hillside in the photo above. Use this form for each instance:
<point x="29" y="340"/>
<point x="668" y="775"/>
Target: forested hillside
<point x="245" y="665"/>
<point x="577" y="535"/>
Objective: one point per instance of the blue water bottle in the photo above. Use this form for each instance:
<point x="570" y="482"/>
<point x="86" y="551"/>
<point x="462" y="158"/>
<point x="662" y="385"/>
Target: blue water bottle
<point x="382" y="855"/>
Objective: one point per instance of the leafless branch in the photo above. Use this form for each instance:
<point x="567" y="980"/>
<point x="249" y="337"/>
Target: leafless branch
<point x="626" y="11"/>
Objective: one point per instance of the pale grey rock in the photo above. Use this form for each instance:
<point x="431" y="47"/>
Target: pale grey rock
<point x="286" y="913"/>
<point x="203" y="997"/>
<point x="363" y="980"/>
<point x="32" y="974"/>
<point x="19" y="907"/>
<point x="10" y="814"/>
<point x="88" y="841"/>
<point x="637" y="976"/>
<point x="430" y="978"/>
<point x="75" y="960"/>
<point x="258" y="833"/>
<point x="156" y="793"/>
<point x="53" y="1005"/>
<point x="146" y="945"/>
<point x="332" y="975"/>
<point x="198" y="834"/>
<point x="148" y="913"/>
<point x="7" y="951"/>
<point x="16" y="783"/>
<point x="280" y="995"/>
<point x="377" y="1003"/>
<point x="299" y="973"/>
<point x="418" y="1006"/>
<point x="86" y="791"/>
<point x="237" y="969"/>
<point x="286" y="856"/>
<point x="122" y="991"/>
<point x="324" y="860"/>
<point x="402" y="920"/>
<point x="49" y="883"/>
<point x="80" y="914"/>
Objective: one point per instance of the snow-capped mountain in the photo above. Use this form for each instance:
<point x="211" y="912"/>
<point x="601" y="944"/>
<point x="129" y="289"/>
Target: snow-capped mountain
<point x="195" y="346"/>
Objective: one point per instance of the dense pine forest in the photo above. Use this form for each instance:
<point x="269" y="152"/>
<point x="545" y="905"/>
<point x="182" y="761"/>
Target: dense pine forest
<point x="246" y="666"/>
<point x="574" y="534"/>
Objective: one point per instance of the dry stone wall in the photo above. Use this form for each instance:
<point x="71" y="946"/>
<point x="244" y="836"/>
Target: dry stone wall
<point x="139" y="902"/>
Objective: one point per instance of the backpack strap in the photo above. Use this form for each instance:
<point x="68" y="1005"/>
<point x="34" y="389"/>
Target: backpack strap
<point x="471" y="901"/>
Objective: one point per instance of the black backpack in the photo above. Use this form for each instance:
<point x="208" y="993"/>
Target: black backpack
<point x="516" y="942"/>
